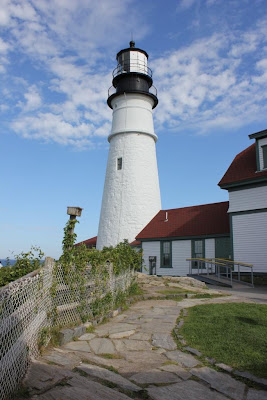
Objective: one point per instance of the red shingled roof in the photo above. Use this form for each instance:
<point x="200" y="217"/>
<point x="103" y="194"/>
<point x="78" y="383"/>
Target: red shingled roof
<point x="89" y="242"/>
<point x="207" y="219"/>
<point x="135" y="243"/>
<point x="243" y="168"/>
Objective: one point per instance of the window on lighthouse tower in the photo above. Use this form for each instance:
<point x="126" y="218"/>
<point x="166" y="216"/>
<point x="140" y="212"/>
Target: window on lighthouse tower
<point x="119" y="163"/>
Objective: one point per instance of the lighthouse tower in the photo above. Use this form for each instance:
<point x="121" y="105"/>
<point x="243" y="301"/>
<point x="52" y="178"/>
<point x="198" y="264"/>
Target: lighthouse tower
<point x="131" y="195"/>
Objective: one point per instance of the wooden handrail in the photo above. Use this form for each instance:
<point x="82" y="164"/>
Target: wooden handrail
<point x="234" y="262"/>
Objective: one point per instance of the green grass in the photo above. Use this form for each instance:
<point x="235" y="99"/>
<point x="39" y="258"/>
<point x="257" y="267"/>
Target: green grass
<point x="90" y="329"/>
<point x="109" y="356"/>
<point x="234" y="334"/>
<point x="208" y="296"/>
<point x="174" y="291"/>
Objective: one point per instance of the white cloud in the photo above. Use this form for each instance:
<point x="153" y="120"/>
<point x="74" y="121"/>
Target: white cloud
<point x="50" y="127"/>
<point x="71" y="55"/>
<point x="33" y="100"/>
<point x="205" y="85"/>
<point x="185" y="4"/>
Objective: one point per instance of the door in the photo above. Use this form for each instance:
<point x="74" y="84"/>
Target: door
<point x="198" y="251"/>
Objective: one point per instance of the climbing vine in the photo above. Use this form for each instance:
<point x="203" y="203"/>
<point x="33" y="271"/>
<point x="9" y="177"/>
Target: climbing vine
<point x="79" y="265"/>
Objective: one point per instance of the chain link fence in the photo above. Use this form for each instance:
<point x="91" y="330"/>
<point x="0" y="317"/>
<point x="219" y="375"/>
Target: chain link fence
<point x="28" y="309"/>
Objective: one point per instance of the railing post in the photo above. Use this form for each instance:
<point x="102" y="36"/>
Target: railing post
<point x="198" y="267"/>
<point x="238" y="272"/>
<point x="252" y="276"/>
<point x="231" y="274"/>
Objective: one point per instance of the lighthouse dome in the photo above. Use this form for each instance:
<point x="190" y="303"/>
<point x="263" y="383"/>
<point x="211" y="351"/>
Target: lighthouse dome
<point x="132" y="75"/>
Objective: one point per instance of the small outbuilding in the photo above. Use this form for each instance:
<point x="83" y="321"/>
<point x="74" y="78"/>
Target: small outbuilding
<point x="174" y="235"/>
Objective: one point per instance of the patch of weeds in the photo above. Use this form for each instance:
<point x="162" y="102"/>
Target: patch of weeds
<point x="112" y="369"/>
<point x="81" y="372"/>
<point x="23" y="392"/>
<point x="90" y="329"/>
<point x="175" y="291"/>
<point x="51" y="363"/>
<point x="110" y="356"/>
<point x="54" y="333"/>
<point x="43" y="338"/>
<point x="170" y="362"/>
<point x="64" y="382"/>
<point x="104" y="320"/>
<point x="135" y="290"/>
<point x="207" y="296"/>
<point x="109" y="384"/>
<point x="144" y="395"/>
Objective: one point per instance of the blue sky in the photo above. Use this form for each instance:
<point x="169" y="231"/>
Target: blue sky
<point x="209" y="65"/>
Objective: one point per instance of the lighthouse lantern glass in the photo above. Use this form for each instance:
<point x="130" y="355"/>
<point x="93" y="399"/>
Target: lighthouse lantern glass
<point x="132" y="61"/>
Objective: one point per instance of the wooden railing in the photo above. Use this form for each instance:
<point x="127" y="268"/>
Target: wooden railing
<point x="221" y="268"/>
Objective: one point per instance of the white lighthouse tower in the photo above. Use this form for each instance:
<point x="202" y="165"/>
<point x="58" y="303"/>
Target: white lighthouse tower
<point x="131" y="195"/>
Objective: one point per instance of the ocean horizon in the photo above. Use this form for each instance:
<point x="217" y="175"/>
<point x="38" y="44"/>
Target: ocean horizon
<point x="4" y="262"/>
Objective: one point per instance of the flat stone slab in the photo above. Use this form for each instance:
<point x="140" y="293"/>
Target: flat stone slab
<point x="102" y="373"/>
<point x="256" y="394"/>
<point x="102" y="346"/>
<point x="141" y="336"/>
<point x="159" y="327"/>
<point x="119" y="335"/>
<point x="225" y="367"/>
<point x="80" y="388"/>
<point x="176" y="369"/>
<point x="193" y="351"/>
<point x="164" y="340"/>
<point x="145" y="359"/>
<point x="87" y="336"/>
<point x="131" y="345"/>
<point x="63" y="359"/>
<point x="110" y="328"/>
<point x="154" y="376"/>
<point x="41" y="377"/>
<point x="185" y="390"/>
<point x="186" y="360"/>
<point x="221" y="382"/>
<point x="78" y="346"/>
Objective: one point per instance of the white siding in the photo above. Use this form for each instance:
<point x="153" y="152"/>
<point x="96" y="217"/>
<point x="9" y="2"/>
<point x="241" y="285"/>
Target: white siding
<point x="248" y="199"/>
<point x="181" y="250"/>
<point x="261" y="142"/>
<point x="209" y="248"/>
<point x="250" y="239"/>
<point x="150" y="249"/>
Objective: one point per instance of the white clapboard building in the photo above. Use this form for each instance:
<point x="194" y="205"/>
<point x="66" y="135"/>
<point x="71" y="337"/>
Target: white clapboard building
<point x="246" y="182"/>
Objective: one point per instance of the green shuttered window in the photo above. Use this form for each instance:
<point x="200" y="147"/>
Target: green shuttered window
<point x="166" y="254"/>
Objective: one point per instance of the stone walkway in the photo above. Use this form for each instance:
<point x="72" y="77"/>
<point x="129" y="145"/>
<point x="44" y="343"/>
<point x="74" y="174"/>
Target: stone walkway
<point x="133" y="356"/>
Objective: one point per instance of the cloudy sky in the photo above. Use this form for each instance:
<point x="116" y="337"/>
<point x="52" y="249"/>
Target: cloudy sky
<point x="209" y="63"/>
